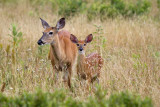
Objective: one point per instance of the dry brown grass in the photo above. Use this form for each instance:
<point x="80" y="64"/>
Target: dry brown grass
<point x="131" y="60"/>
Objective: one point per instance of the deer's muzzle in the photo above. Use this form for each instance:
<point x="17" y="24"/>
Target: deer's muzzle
<point x="40" y="42"/>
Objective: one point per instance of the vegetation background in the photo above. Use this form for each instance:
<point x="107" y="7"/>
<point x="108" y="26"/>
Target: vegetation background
<point x="126" y="33"/>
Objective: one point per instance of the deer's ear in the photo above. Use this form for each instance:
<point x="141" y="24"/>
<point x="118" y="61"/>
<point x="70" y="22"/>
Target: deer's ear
<point x="73" y="38"/>
<point x="89" y="38"/>
<point x="60" y="23"/>
<point x="44" y="24"/>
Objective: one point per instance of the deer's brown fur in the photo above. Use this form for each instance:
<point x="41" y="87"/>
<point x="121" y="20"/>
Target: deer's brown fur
<point x="62" y="51"/>
<point x="88" y="67"/>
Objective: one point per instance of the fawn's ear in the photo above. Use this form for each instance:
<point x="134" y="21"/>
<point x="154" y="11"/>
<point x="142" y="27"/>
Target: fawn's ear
<point x="60" y="23"/>
<point x="44" y="24"/>
<point x="89" y="38"/>
<point x="73" y="38"/>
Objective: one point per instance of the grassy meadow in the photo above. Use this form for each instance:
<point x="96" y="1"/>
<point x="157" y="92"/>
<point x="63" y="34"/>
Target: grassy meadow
<point x="130" y="48"/>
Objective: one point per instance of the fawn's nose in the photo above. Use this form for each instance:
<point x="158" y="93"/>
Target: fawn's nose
<point x="40" y="42"/>
<point x="81" y="49"/>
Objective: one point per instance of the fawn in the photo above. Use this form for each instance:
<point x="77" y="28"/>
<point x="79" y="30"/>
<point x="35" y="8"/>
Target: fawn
<point x="89" y="67"/>
<point x="62" y="51"/>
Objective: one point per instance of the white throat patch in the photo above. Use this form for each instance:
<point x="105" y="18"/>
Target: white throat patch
<point x="81" y="52"/>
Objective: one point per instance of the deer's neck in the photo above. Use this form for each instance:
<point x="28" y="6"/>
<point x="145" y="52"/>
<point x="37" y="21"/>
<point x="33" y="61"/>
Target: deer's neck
<point x="57" y="48"/>
<point x="81" y="62"/>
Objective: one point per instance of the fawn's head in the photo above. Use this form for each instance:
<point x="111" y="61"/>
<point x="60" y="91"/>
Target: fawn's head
<point x="81" y="43"/>
<point x="50" y="32"/>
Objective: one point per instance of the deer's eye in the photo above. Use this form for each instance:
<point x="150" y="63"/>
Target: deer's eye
<point x="50" y="33"/>
<point x="84" y="44"/>
<point x="77" y="44"/>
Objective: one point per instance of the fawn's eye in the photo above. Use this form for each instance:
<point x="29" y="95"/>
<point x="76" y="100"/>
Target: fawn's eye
<point x="50" y="33"/>
<point x="84" y="44"/>
<point x="77" y="44"/>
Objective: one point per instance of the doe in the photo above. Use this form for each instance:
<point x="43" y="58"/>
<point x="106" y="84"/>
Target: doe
<point x="62" y="51"/>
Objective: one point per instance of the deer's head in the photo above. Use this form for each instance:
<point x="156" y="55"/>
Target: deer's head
<point x="50" y="32"/>
<point x="81" y="43"/>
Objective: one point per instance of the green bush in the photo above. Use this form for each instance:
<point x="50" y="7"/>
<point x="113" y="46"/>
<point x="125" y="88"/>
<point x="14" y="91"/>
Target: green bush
<point x="59" y="99"/>
<point x="158" y="3"/>
<point x="38" y="2"/>
<point x="9" y="1"/>
<point x="117" y="8"/>
<point x="141" y="7"/>
<point x="68" y="8"/>
<point x="119" y="5"/>
<point x="125" y="99"/>
<point x="95" y="9"/>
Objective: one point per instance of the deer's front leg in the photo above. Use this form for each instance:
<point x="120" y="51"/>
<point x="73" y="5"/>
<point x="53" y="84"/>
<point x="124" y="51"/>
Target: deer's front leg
<point x="67" y="74"/>
<point x="55" y="70"/>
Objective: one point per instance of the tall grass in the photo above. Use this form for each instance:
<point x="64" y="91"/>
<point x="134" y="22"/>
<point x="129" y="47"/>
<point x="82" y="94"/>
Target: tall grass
<point x="130" y="49"/>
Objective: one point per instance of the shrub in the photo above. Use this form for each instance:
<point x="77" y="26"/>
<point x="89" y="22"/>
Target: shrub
<point x="38" y="2"/>
<point x="119" y="5"/>
<point x="68" y="8"/>
<point x="117" y="8"/>
<point x="59" y="99"/>
<point x="108" y="11"/>
<point x="93" y="11"/>
<point x="125" y="99"/>
<point x="158" y="3"/>
<point x="141" y="7"/>
<point x="9" y="1"/>
<point x="122" y="99"/>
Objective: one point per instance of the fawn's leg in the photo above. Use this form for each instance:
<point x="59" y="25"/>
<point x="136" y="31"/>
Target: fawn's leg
<point x="88" y="82"/>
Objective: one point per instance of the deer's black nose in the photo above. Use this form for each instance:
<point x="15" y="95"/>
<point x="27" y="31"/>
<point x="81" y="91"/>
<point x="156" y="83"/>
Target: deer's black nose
<point x="80" y="49"/>
<point x="40" y="42"/>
